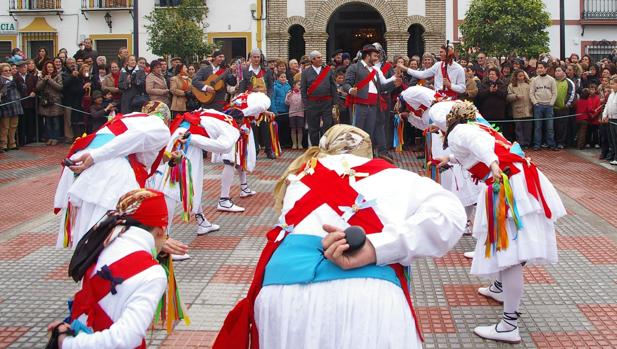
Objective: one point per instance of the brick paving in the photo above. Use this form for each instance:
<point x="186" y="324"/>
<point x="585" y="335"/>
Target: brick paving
<point x="569" y="305"/>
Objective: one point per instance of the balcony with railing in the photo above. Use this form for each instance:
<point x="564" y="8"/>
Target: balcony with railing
<point x="167" y="3"/>
<point x="34" y="5"/>
<point x="106" y="5"/>
<point x="599" y="12"/>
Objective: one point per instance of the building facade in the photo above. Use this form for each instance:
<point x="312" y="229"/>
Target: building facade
<point x="56" y="24"/>
<point x="402" y="26"/>
<point x="590" y="25"/>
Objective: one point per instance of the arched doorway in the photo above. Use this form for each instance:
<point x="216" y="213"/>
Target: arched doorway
<point x="415" y="43"/>
<point x="296" y="44"/>
<point x="354" y="25"/>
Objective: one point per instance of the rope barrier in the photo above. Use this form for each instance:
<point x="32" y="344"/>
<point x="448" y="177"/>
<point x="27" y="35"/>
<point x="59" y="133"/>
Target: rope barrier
<point x="16" y="101"/>
<point x="527" y="120"/>
<point x="73" y="109"/>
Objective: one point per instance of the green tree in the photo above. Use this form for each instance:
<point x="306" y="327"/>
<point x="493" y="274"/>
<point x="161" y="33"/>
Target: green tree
<point x="506" y="27"/>
<point x="179" y="31"/>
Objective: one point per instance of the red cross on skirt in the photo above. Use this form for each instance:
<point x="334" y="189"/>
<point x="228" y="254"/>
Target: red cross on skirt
<point x="326" y="187"/>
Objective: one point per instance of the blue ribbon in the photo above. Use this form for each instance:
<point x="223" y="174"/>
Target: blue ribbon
<point x="284" y="228"/>
<point x="359" y="204"/>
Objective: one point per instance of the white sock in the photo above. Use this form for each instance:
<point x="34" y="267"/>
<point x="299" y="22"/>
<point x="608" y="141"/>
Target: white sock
<point x="471" y="212"/>
<point x="171" y="208"/>
<point x="512" y="279"/>
<point x="227" y="178"/>
<point x="243" y="183"/>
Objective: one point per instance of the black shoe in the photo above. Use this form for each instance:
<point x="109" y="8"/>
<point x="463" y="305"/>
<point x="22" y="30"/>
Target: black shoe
<point x="554" y="148"/>
<point x="14" y="148"/>
<point x="271" y="155"/>
<point x="536" y="148"/>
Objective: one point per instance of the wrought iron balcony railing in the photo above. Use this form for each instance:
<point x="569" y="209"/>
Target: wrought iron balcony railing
<point x="599" y="10"/>
<point x="18" y="5"/>
<point x="106" y="4"/>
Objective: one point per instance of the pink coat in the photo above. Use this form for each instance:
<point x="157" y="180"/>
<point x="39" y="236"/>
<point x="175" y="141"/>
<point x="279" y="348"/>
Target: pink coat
<point x="294" y="101"/>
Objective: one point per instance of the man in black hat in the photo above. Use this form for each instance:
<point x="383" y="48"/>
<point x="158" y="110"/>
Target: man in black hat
<point x="318" y="96"/>
<point x="364" y="82"/>
<point x="337" y="58"/>
<point x="217" y="67"/>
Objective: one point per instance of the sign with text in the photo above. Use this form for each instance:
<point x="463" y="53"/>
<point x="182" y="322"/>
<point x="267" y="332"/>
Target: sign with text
<point x="8" y="28"/>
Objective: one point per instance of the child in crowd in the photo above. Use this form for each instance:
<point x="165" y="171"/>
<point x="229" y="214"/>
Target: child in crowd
<point x="100" y="108"/>
<point x="583" y="117"/>
<point x="343" y="110"/>
<point x="609" y="118"/>
<point x="296" y="115"/>
<point x="593" y="134"/>
<point x="280" y="108"/>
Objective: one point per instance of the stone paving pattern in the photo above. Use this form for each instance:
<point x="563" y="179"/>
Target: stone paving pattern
<point x="569" y="305"/>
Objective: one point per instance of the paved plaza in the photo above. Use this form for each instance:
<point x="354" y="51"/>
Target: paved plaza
<point x="569" y="305"/>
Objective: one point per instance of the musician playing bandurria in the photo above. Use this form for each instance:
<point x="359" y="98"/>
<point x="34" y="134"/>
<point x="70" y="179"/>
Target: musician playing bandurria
<point x="218" y="68"/>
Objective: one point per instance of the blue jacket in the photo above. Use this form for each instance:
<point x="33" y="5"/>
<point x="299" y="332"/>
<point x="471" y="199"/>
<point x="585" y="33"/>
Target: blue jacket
<point x="279" y="92"/>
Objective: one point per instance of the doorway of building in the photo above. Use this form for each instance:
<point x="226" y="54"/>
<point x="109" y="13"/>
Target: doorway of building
<point x="354" y="25"/>
<point x="35" y="45"/>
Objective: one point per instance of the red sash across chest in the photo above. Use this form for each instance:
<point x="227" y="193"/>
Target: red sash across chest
<point x="372" y="97"/>
<point x="445" y="90"/>
<point x="239" y="327"/>
<point x="98" y="286"/>
<point x="117" y="127"/>
<point x="322" y="75"/>
<point x="507" y="159"/>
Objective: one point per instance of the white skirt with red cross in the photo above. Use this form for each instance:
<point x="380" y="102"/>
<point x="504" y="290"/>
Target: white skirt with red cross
<point x="351" y="313"/>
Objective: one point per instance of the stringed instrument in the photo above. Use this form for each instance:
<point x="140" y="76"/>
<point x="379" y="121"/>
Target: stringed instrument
<point x="217" y="83"/>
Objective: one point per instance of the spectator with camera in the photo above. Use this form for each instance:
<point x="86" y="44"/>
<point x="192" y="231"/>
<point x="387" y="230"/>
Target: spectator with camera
<point x="132" y="84"/>
<point x="49" y="89"/>
<point x="491" y="98"/>
<point x="102" y="105"/>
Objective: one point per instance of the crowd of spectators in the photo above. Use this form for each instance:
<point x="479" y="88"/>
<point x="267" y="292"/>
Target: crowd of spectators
<point x="541" y="102"/>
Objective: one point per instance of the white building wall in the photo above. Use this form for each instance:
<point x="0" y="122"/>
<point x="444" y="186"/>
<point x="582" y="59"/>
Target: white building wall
<point x="416" y="8"/>
<point x="296" y="8"/>
<point x="573" y="32"/>
<point x="232" y="16"/>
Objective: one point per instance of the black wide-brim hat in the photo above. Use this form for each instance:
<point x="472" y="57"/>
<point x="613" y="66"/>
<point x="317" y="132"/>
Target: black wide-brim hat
<point x="369" y="49"/>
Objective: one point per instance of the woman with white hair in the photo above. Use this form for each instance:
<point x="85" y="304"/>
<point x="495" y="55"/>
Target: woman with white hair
<point x="310" y="289"/>
<point x="516" y="213"/>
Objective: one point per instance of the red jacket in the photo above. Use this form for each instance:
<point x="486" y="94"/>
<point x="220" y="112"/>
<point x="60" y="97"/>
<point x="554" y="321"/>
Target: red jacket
<point x="582" y="110"/>
<point x="595" y="109"/>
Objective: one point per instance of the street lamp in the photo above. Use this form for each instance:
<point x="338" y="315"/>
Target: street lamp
<point x="108" y="20"/>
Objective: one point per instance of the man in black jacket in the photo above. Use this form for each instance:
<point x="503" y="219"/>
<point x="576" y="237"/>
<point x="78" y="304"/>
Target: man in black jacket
<point x="318" y="96"/>
<point x="364" y="82"/>
<point x="217" y="67"/>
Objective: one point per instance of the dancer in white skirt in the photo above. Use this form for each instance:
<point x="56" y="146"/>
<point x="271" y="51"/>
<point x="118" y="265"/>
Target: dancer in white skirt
<point x="308" y="292"/>
<point x="516" y="212"/>
<point x="428" y="113"/>
<point x="242" y="157"/>
<point x="181" y="178"/>
<point x="116" y="159"/>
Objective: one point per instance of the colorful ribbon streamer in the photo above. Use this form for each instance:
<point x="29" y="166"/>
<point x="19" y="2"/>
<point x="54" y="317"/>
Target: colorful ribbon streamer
<point x="274" y="138"/>
<point x="171" y="308"/>
<point x="69" y="218"/>
<point x="181" y="176"/>
<point x="399" y="126"/>
<point x="432" y="170"/>
<point x="500" y="199"/>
